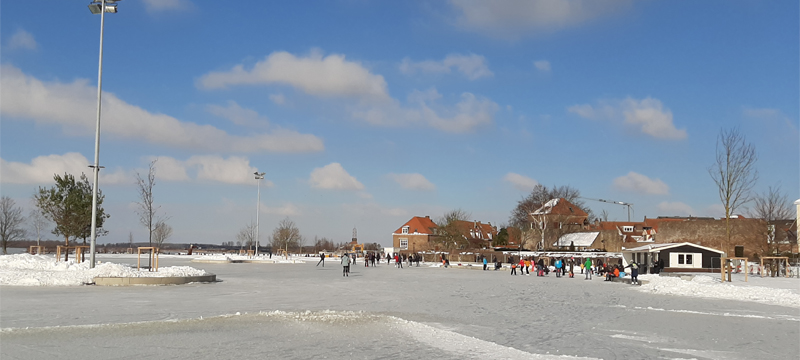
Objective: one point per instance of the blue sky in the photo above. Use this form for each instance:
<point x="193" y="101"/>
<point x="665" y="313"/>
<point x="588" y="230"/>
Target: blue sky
<point x="366" y="113"/>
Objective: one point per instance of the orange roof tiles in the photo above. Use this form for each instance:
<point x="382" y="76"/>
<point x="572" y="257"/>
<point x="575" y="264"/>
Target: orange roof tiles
<point x="418" y="224"/>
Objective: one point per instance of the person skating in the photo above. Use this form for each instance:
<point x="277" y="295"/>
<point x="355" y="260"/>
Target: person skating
<point x="321" y="259"/>
<point x="513" y="268"/>
<point x="485" y="262"/>
<point x="345" y="265"/>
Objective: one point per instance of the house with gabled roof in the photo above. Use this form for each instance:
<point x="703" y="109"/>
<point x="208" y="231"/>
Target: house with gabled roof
<point x="478" y="234"/>
<point x="419" y="233"/>
<point x="555" y="218"/>
<point x="561" y="213"/>
<point x="416" y="234"/>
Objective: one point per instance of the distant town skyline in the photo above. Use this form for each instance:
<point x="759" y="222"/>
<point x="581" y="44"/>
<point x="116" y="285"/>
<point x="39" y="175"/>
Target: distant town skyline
<point x="364" y="114"/>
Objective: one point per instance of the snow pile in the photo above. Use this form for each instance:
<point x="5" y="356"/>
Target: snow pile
<point x="708" y="287"/>
<point x="43" y="270"/>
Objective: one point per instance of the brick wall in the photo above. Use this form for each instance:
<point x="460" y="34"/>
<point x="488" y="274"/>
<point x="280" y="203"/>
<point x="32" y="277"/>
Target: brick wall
<point x="752" y="233"/>
<point x="415" y="242"/>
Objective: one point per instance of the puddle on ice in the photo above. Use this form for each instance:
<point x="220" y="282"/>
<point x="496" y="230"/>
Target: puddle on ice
<point x="284" y="335"/>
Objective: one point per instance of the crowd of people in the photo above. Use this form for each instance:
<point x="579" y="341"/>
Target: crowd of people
<point x="560" y="266"/>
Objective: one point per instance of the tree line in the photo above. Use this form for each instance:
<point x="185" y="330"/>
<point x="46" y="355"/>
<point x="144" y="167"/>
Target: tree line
<point x="66" y="207"/>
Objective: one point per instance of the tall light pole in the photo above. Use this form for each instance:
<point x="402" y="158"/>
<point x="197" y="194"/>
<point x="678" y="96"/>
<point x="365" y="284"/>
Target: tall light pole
<point x="259" y="177"/>
<point x="98" y="7"/>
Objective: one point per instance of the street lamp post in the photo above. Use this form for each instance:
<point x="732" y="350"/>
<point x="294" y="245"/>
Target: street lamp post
<point x="98" y="7"/>
<point x="259" y="177"/>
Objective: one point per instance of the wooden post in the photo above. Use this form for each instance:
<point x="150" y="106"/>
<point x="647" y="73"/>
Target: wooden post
<point x="722" y="269"/>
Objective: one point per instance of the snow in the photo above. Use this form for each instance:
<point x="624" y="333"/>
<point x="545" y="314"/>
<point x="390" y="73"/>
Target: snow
<point x="705" y="286"/>
<point x="44" y="270"/>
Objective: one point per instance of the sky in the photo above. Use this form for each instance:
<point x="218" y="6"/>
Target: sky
<point x="365" y="113"/>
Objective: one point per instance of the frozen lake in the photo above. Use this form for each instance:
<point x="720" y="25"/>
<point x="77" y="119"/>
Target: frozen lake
<point x="299" y="311"/>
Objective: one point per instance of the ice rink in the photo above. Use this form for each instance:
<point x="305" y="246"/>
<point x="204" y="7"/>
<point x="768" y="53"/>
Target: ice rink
<point x="300" y="311"/>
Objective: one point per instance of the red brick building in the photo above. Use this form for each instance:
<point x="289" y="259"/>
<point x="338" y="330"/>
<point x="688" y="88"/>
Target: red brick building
<point x="415" y="234"/>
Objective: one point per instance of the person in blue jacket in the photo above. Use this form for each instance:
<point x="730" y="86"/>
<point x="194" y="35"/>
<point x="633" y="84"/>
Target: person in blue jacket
<point x="558" y="268"/>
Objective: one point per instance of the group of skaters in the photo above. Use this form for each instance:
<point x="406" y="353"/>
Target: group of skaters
<point x="567" y="267"/>
<point x="370" y="259"/>
<point x="409" y="259"/>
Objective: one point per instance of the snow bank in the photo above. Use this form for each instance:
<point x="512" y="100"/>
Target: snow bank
<point x="43" y="270"/>
<point x="705" y="286"/>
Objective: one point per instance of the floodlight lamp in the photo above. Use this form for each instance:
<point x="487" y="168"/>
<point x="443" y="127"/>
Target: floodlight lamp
<point x="95" y="7"/>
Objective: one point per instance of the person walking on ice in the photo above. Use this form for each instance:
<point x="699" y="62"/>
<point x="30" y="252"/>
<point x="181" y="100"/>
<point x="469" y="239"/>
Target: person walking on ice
<point x="345" y="265"/>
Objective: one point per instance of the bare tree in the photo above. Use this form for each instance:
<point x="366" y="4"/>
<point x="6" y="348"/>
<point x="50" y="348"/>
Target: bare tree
<point x="734" y="173"/>
<point x="604" y="215"/>
<point x="286" y="236"/>
<point x="772" y="205"/>
<point x="11" y="221"/>
<point x="449" y="233"/>
<point x="541" y="194"/>
<point x="161" y="232"/>
<point x="246" y="236"/>
<point x="38" y="222"/>
<point x="148" y="212"/>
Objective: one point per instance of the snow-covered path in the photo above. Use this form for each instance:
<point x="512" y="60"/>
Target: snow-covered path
<point x="414" y="312"/>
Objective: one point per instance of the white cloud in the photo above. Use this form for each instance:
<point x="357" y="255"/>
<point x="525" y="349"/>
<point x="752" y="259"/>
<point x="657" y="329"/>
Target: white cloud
<point x="278" y="98"/>
<point x="642" y="184"/>
<point x="287" y="209"/>
<point x="676" y="208"/>
<point x="73" y="106"/>
<point x="333" y="177"/>
<point x="519" y="17"/>
<point x="466" y="115"/>
<point x="770" y="116"/>
<point x="208" y="168"/>
<point x="42" y="168"/>
<point x="22" y="40"/>
<point x="237" y="114"/>
<point x="472" y="66"/>
<point x="169" y="169"/>
<point x="412" y="181"/>
<point x="233" y="170"/>
<point x="329" y="76"/>
<point x="521" y="182"/>
<point x="542" y="65"/>
<point x="648" y="115"/>
<point x="154" y="6"/>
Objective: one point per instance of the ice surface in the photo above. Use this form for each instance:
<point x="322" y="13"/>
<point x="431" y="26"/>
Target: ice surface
<point x="304" y="311"/>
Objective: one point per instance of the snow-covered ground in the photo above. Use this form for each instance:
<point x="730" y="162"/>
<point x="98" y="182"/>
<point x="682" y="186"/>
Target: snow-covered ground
<point x="306" y="311"/>
<point x="44" y="270"/>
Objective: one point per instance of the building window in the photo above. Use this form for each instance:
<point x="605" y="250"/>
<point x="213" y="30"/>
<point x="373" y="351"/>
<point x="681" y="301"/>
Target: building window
<point x="404" y="243"/>
<point x="405" y="230"/>
<point x="627" y="229"/>
<point x="686" y="260"/>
